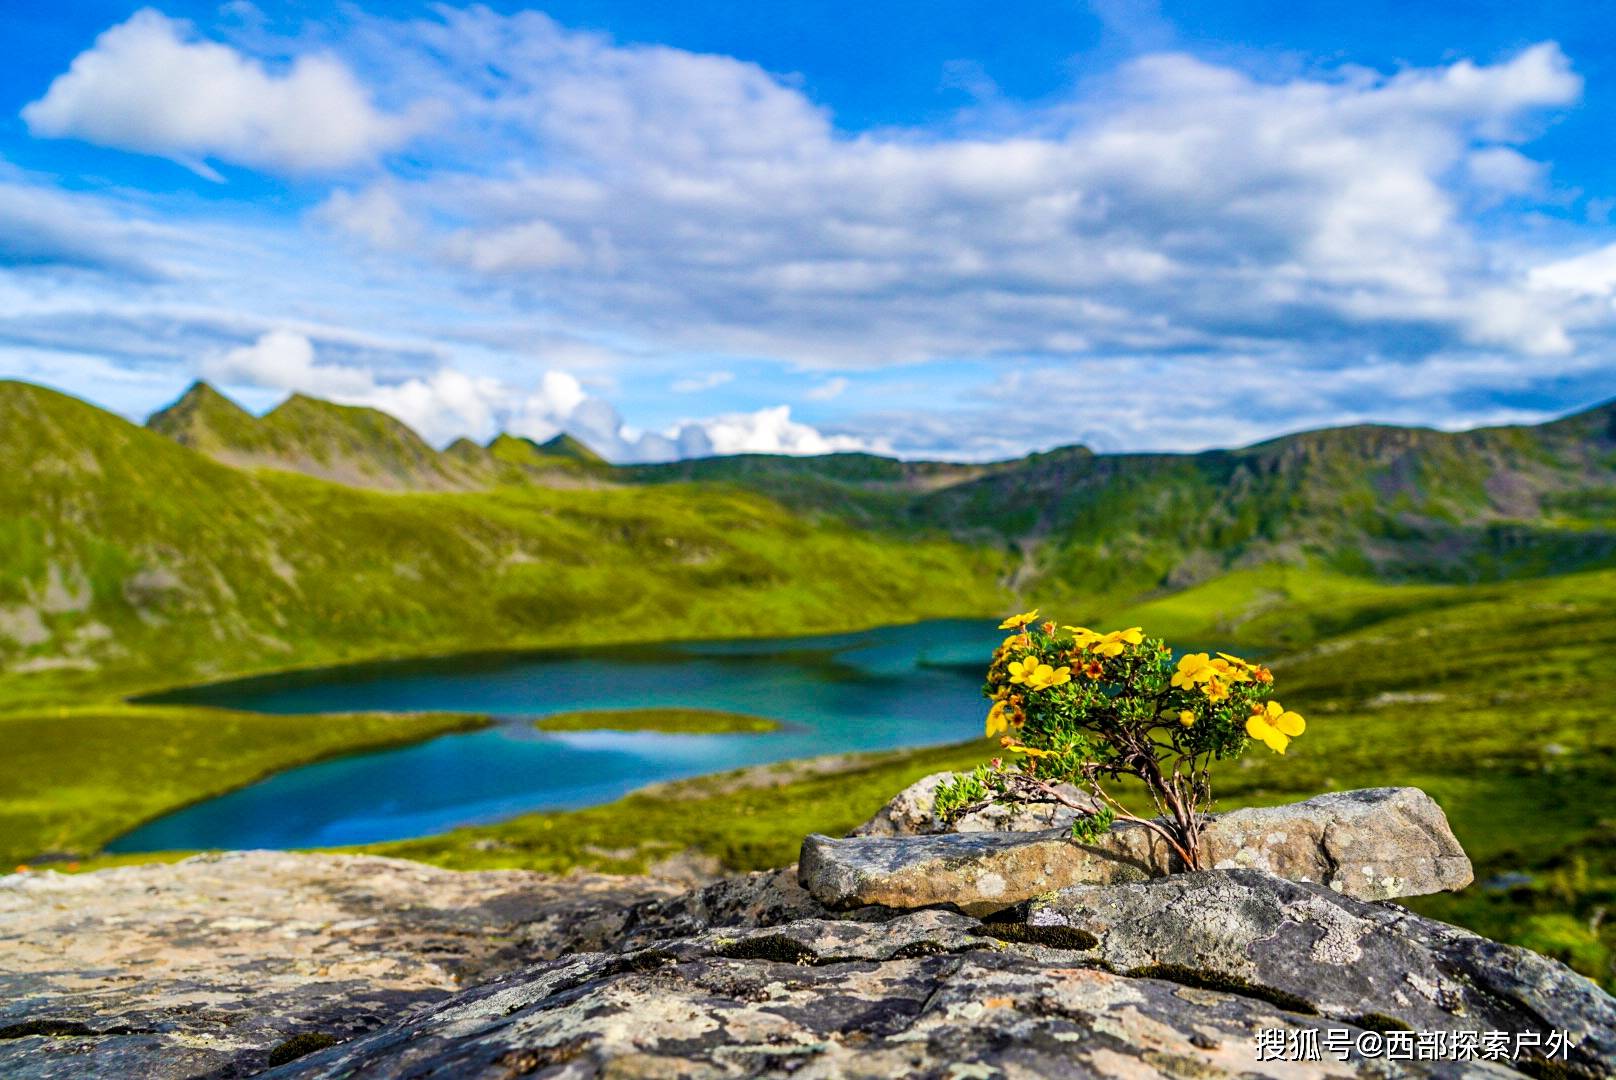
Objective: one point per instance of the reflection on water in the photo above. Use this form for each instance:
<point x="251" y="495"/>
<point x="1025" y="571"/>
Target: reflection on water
<point x="896" y="686"/>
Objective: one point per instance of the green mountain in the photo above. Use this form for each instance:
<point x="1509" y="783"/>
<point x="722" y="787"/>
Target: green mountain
<point x="154" y="551"/>
<point x="1098" y="530"/>
<point x="566" y="446"/>
<point x="1393" y="504"/>
<point x="562" y="461"/>
<point x="129" y="559"/>
<point x="363" y="447"/>
<point x="348" y="444"/>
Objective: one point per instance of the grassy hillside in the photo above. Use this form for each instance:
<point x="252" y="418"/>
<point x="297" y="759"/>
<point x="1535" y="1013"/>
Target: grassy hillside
<point x="130" y="561"/>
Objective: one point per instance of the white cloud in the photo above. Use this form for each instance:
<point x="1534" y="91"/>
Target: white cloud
<point x="1180" y="204"/>
<point x="43" y="229"/>
<point x="1502" y="171"/>
<point x="447" y="403"/>
<point x="151" y="86"/>
<point x="441" y="405"/>
<point x="828" y="390"/>
<point x="651" y="218"/>
<point x="1590" y="274"/>
<point x="695" y="384"/>
<point x="530" y="245"/>
<point x="766" y="431"/>
<point x="373" y="215"/>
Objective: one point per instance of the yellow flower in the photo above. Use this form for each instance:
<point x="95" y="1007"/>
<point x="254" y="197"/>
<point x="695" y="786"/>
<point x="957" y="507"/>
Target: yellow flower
<point x="1110" y="644"/>
<point x="1082" y="636"/>
<point x="1016" y="622"/>
<point x="1030" y="751"/>
<point x="1250" y="671"/>
<point x="1113" y="643"/>
<point x="1185" y="717"/>
<point x="1021" y="669"/>
<point x="1274" y="725"/>
<point x="1215" y="689"/>
<point x="1230" y="672"/>
<point x="1093" y="668"/>
<point x="997" y="720"/>
<point x="1044" y="676"/>
<point x="1193" y="668"/>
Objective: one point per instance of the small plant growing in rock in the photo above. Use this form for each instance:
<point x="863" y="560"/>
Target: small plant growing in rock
<point x="1075" y="706"/>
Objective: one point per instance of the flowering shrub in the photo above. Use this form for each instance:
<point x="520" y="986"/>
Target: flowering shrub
<point x="1081" y="707"/>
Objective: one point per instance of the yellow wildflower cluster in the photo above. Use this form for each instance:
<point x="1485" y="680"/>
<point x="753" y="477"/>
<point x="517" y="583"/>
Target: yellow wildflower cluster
<point x="1216" y="677"/>
<point x="1274" y="725"/>
<point x="1088" y="707"/>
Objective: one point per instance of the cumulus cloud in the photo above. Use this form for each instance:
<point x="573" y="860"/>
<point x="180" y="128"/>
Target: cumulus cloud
<point x="152" y="86"/>
<point x="1178" y="205"/>
<point x="447" y="403"/>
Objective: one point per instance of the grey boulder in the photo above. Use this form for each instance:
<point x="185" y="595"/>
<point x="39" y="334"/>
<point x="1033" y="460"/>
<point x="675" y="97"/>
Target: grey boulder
<point x="1374" y="844"/>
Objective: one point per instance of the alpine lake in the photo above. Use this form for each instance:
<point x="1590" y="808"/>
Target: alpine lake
<point x="891" y="687"/>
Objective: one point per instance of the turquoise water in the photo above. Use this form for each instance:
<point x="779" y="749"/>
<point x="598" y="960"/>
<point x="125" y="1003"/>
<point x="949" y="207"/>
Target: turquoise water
<point x="878" y="689"/>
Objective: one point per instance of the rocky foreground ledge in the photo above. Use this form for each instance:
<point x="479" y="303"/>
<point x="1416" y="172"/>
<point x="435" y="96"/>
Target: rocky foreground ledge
<point x="339" y="966"/>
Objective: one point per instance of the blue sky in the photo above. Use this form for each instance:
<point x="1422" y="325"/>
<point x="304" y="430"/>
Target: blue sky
<point x="946" y="230"/>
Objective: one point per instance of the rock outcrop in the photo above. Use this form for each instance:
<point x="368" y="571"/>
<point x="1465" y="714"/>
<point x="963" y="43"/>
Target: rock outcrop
<point x="320" y="967"/>
<point x="1327" y="954"/>
<point x="1375" y="844"/>
<point x="913" y="812"/>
